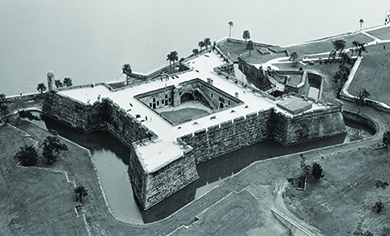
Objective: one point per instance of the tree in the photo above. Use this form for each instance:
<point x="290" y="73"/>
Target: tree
<point x="341" y="75"/>
<point x="27" y="156"/>
<point x="41" y="87"/>
<point x="339" y="45"/>
<point x="294" y="57"/>
<point x="201" y="45"/>
<point x="195" y="51"/>
<point x="230" y="23"/>
<point x="379" y="205"/>
<point x="361" y="98"/>
<point x="126" y="69"/>
<point x="4" y="109"/>
<point x="316" y="171"/>
<point x="172" y="57"/>
<point x="361" y="21"/>
<point x="246" y="35"/>
<point x="207" y="42"/>
<point x="67" y="82"/>
<point x="386" y="138"/>
<point x="380" y="184"/>
<point x="51" y="148"/>
<point x="345" y="58"/>
<point x="27" y="114"/>
<point x="58" y="83"/>
<point x="359" y="47"/>
<point x="81" y="192"/>
<point x="250" y="46"/>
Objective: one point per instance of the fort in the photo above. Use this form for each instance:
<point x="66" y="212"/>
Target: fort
<point x="166" y="148"/>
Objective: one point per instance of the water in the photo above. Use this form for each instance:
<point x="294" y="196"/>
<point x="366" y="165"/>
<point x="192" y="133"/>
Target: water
<point x="111" y="159"/>
<point x="90" y="40"/>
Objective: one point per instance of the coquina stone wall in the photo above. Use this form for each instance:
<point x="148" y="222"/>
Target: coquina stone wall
<point x="254" y="73"/>
<point x="258" y="126"/>
<point x="152" y="188"/>
<point x="308" y="126"/>
<point x="229" y="136"/>
<point x="82" y="116"/>
<point x="100" y="115"/>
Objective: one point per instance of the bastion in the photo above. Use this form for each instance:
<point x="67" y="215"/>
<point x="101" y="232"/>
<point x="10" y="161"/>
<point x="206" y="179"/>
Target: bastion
<point x="164" y="153"/>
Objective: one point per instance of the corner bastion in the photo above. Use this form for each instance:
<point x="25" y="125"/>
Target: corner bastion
<point x="164" y="154"/>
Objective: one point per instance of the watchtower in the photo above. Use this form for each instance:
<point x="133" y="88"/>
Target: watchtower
<point x="50" y="80"/>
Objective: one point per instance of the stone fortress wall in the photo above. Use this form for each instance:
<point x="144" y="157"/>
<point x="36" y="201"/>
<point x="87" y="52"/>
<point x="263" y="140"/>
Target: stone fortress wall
<point x="255" y="127"/>
<point x="151" y="188"/>
<point x="100" y="115"/>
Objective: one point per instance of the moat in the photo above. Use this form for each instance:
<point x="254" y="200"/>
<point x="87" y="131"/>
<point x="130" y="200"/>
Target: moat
<point x="111" y="159"/>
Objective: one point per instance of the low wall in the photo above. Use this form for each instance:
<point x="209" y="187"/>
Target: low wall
<point x="26" y="97"/>
<point x="359" y="119"/>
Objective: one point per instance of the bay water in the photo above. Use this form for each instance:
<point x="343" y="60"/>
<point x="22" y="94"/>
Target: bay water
<point x="89" y="40"/>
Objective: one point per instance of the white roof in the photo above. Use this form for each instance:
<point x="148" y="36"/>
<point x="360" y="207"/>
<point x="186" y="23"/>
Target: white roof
<point x="155" y="155"/>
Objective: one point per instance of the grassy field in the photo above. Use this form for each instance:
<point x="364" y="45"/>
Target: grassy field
<point x="33" y="199"/>
<point x="345" y="197"/>
<point x="373" y="74"/>
<point x="326" y="45"/>
<point x="183" y="114"/>
<point x="383" y="33"/>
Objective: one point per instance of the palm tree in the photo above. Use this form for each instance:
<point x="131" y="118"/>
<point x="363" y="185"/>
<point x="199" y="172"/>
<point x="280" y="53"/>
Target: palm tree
<point x="230" y="28"/>
<point x="361" y="98"/>
<point x="294" y="57"/>
<point x="126" y="69"/>
<point x="195" y="51"/>
<point x="361" y="21"/>
<point x="207" y="42"/>
<point x="58" y="83"/>
<point x="41" y="87"/>
<point x="339" y="45"/>
<point x="67" y="82"/>
<point x="341" y="75"/>
<point x="201" y="45"/>
<point x="246" y="35"/>
<point x="250" y="47"/>
<point x="172" y="57"/>
<point x="81" y="192"/>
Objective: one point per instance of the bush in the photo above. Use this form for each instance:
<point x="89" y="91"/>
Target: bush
<point x="386" y="138"/>
<point x="27" y="156"/>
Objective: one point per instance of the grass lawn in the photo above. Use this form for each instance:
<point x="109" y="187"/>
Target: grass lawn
<point x="235" y="49"/>
<point x="345" y="197"/>
<point x="383" y="33"/>
<point x="326" y="45"/>
<point x="32" y="200"/>
<point x="373" y="74"/>
<point x="183" y="114"/>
